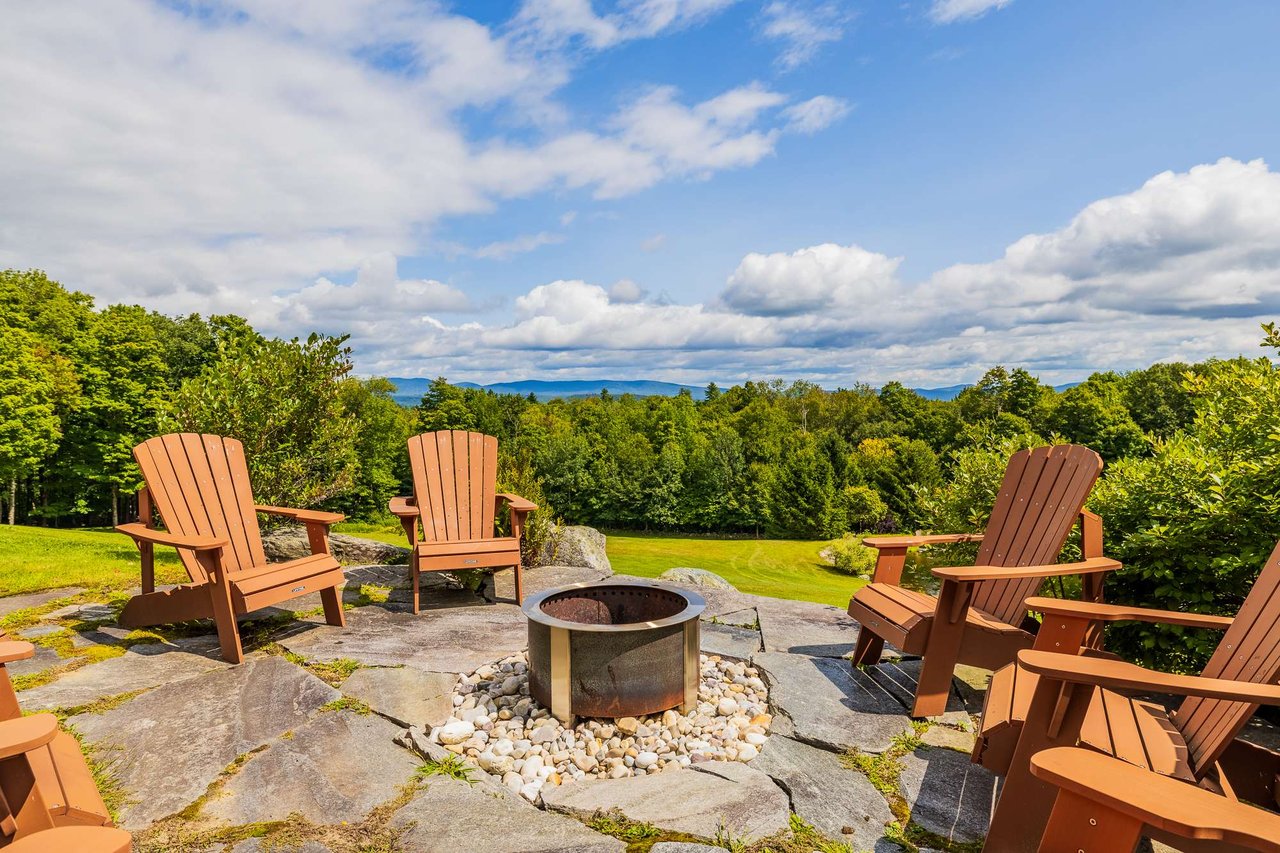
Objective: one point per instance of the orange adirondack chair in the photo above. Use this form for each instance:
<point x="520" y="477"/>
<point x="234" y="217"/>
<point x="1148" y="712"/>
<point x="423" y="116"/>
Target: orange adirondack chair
<point x="42" y="784"/>
<point x="1060" y="694"/>
<point x="1106" y="804"/>
<point x="984" y="619"/>
<point x="455" y="498"/>
<point x="200" y="485"/>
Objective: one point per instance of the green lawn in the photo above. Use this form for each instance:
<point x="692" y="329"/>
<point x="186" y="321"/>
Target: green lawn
<point x="35" y="558"/>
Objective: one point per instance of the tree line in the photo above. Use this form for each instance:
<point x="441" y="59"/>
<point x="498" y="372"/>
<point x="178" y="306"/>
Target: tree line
<point x="1190" y="496"/>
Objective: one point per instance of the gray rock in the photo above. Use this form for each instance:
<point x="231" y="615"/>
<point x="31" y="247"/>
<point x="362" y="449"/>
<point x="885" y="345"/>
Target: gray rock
<point x="948" y="738"/>
<point x="826" y="794"/>
<point x="575" y="545"/>
<point x="698" y="800"/>
<point x="452" y="815"/>
<point x="406" y="695"/>
<point x="728" y="640"/>
<point x="139" y="668"/>
<point x="13" y="603"/>
<point x="695" y="577"/>
<point x="90" y="612"/>
<point x="39" y="631"/>
<point x="171" y="742"/>
<point x="254" y="845"/>
<point x="681" y="847"/>
<point x="44" y="658"/>
<point x="806" y="628"/>
<point x="457" y="639"/>
<point x="415" y="740"/>
<point x="540" y="578"/>
<point x="900" y="677"/>
<point x="831" y="704"/>
<point x="948" y="794"/>
<point x="289" y="542"/>
<point x="744" y="618"/>
<point x="337" y="767"/>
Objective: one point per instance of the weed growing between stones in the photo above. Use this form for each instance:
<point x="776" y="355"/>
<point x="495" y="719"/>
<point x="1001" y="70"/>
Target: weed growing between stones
<point x="884" y="772"/>
<point x="451" y="766"/>
<point x="346" y="703"/>
<point x="615" y="824"/>
<point x="98" y="706"/>
<point x="332" y="673"/>
<point x="371" y="593"/>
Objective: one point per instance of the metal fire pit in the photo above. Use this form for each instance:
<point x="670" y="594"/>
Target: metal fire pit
<point x="613" y="649"/>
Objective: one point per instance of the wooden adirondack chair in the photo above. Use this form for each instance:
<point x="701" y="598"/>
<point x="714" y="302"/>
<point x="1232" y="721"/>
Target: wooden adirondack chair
<point x="200" y="485"/>
<point x="57" y="768"/>
<point x="1106" y="804"/>
<point x="1057" y="696"/>
<point x="74" y="839"/>
<point x="455" y="475"/>
<point x="985" y="621"/>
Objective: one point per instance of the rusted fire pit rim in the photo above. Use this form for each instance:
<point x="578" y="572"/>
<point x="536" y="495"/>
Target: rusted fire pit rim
<point x="532" y="607"/>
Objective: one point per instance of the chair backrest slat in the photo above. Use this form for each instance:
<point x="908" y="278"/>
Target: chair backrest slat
<point x="1248" y="651"/>
<point x="200" y="486"/>
<point x="454" y="482"/>
<point x="1042" y="493"/>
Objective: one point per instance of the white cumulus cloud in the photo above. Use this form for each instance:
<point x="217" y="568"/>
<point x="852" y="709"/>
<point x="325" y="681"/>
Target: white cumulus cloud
<point x="949" y="11"/>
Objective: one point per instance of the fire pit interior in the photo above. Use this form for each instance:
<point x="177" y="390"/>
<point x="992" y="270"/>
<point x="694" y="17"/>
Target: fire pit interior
<point x="615" y="649"/>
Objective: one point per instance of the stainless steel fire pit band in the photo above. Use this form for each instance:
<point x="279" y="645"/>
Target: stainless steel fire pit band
<point x="533" y="607"/>
<point x="556" y="647"/>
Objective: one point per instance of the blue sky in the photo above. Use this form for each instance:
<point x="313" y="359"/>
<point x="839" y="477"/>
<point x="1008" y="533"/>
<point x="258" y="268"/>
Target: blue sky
<point x="674" y="189"/>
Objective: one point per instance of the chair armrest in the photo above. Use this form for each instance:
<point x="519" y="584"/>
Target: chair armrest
<point x="1098" y="612"/>
<point x="991" y="573"/>
<point x="916" y="541"/>
<point x="12" y="650"/>
<point x="142" y="533"/>
<point x="23" y="734"/>
<point x="307" y="516"/>
<point x="403" y="507"/>
<point x="517" y="503"/>
<point x="1118" y="675"/>
<point x="1158" y="801"/>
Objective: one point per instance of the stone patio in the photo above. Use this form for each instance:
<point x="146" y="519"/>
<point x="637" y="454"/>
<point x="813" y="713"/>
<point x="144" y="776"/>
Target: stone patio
<point x="315" y="742"/>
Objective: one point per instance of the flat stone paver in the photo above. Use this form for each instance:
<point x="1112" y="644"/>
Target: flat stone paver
<point x="545" y="577"/>
<point x="89" y="612"/>
<point x="681" y="847"/>
<point x="139" y="668"/>
<point x="728" y="640"/>
<point x="254" y="845"/>
<point x="900" y="676"/>
<point x="457" y="639"/>
<point x="830" y="703"/>
<point x="744" y="618"/>
<point x="170" y="743"/>
<point x="13" y="603"/>
<point x="44" y="658"/>
<point x="805" y="628"/>
<point x="699" y="799"/>
<point x="408" y="696"/>
<point x="948" y="794"/>
<point x="451" y="815"/>
<point x="829" y="796"/>
<point x="336" y="767"/>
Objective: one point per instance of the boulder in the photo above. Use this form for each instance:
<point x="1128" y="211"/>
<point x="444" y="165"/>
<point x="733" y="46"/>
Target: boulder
<point x="575" y="545"/>
<point x="686" y="576"/>
<point x="289" y="542"/>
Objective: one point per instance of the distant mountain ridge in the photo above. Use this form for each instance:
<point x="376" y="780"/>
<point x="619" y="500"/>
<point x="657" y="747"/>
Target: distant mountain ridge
<point x="409" y="391"/>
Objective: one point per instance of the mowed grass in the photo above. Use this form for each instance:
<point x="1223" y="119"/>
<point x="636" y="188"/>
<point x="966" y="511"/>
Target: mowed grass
<point x="36" y="558"/>
<point x="781" y="568"/>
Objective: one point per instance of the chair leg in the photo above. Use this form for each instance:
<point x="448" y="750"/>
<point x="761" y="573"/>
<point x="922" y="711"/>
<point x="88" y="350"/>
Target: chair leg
<point x="28" y="810"/>
<point x="942" y="650"/>
<point x="519" y="583"/>
<point x="1077" y="823"/>
<point x="332" y="601"/>
<point x="414" y="574"/>
<point x="868" y="648"/>
<point x="224" y="615"/>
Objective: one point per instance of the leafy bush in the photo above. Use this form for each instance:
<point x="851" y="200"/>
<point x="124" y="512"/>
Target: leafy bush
<point x="516" y="476"/>
<point x="848" y="554"/>
<point x="1194" y="522"/>
<point x="860" y="508"/>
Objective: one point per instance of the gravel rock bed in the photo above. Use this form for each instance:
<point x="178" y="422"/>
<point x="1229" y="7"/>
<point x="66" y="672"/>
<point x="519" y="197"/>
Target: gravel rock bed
<point x="497" y="725"/>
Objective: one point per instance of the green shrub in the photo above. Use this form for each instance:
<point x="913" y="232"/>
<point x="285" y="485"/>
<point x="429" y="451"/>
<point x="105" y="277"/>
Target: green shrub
<point x="848" y="554"/>
<point x="861" y="508"/>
